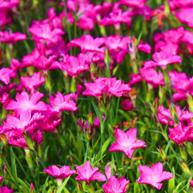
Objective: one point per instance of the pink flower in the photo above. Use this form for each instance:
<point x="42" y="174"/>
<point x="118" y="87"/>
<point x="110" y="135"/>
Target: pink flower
<point x="88" y="43"/>
<point x="6" y="74"/>
<point x="5" y="189"/>
<point x="1" y="179"/>
<point x="59" y="172"/>
<point x="115" y="185"/>
<point x="116" y="17"/>
<point x="163" y="58"/>
<point x="180" y="133"/>
<point x="185" y="16"/>
<point x="32" y="83"/>
<point x="164" y="116"/>
<point x="133" y="3"/>
<point x="191" y="183"/>
<point x="6" y="5"/>
<point x="61" y="102"/>
<point x="152" y="77"/>
<point x="24" y="103"/>
<point x="126" y="142"/>
<point x="87" y="173"/>
<point x="43" y="32"/>
<point x="144" y="47"/>
<point x="109" y="86"/>
<point x="11" y="38"/>
<point x="127" y="105"/>
<point x="75" y="65"/>
<point x="153" y="175"/>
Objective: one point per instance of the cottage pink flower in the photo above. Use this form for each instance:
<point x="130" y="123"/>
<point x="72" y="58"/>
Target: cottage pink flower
<point x="11" y="38"/>
<point x="115" y="185"/>
<point x="181" y="133"/>
<point x="151" y="76"/>
<point x="116" y="17"/>
<point x="109" y="86"/>
<point x="163" y="59"/>
<point x="185" y="16"/>
<point x="144" y="47"/>
<point x="1" y="179"/>
<point x="127" y="105"/>
<point x="88" y="43"/>
<point x="59" y="172"/>
<point x="164" y="116"/>
<point x="87" y="173"/>
<point x="153" y="175"/>
<point x="32" y="83"/>
<point x="6" y="74"/>
<point x="42" y="32"/>
<point x="126" y="142"/>
<point x="5" y="189"/>
<point x="24" y="102"/>
<point x="191" y="183"/>
<point x="75" y="65"/>
<point x="6" y="5"/>
<point x="133" y="3"/>
<point x="61" y="102"/>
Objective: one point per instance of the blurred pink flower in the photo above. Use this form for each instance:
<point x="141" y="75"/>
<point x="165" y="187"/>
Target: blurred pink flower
<point x="126" y="142"/>
<point x="185" y="16"/>
<point x="5" y="189"/>
<point x="61" y="102"/>
<point x="151" y="76"/>
<point x="6" y="74"/>
<point x="115" y="185"/>
<point x="33" y="82"/>
<point x="87" y="173"/>
<point x="59" y="172"/>
<point x="144" y="47"/>
<point x="191" y="183"/>
<point x="10" y="37"/>
<point x="88" y="43"/>
<point x="153" y="175"/>
<point x="75" y="65"/>
<point x="1" y="179"/>
<point x="164" y="116"/>
<point x="25" y="102"/>
<point x="127" y="105"/>
<point x="109" y="86"/>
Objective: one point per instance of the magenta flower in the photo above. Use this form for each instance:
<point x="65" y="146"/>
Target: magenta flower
<point x="43" y="32"/>
<point x="24" y="103"/>
<point x="87" y="173"/>
<point x="185" y="16"/>
<point x="164" y="116"/>
<point x="144" y="47"/>
<point x="151" y="76"/>
<point x="191" y="183"/>
<point x="126" y="142"/>
<point x="6" y="74"/>
<point x="88" y="43"/>
<point x="11" y="38"/>
<point x="153" y="175"/>
<point x="61" y="102"/>
<point x="115" y="185"/>
<point x="5" y="189"/>
<point x="109" y="86"/>
<point x="133" y="3"/>
<point x="1" y="179"/>
<point x="163" y="59"/>
<point x="32" y="83"/>
<point x="127" y="105"/>
<point x="75" y="65"/>
<point x="7" y="5"/>
<point x="59" y="172"/>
